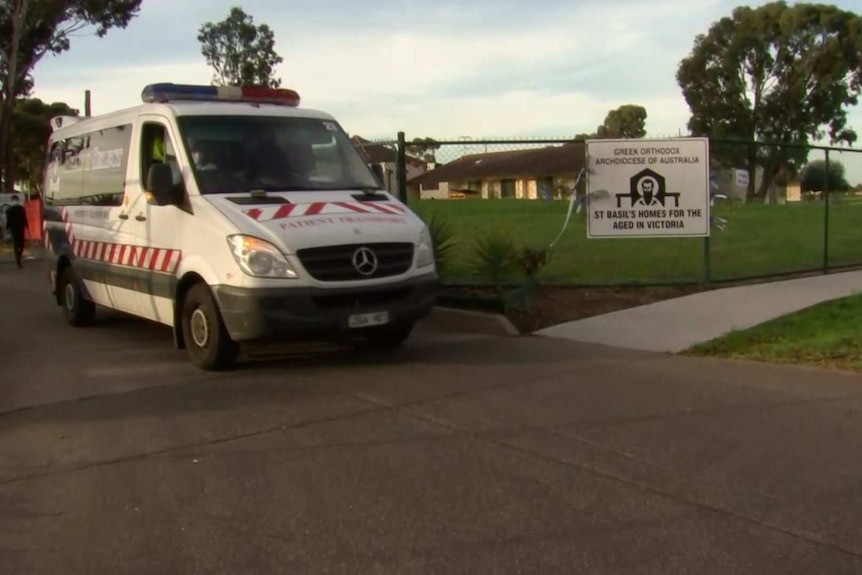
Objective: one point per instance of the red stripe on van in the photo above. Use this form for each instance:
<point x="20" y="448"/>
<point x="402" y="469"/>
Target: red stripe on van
<point x="381" y="208"/>
<point x="353" y="207"/>
<point x="315" y="208"/>
<point x="283" y="211"/>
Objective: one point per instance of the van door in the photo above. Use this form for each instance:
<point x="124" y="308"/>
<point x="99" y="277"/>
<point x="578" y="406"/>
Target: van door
<point x="158" y="229"/>
<point x="84" y="196"/>
<point x="108" y="166"/>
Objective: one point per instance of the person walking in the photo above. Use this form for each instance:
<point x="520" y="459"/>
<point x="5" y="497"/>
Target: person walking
<point x="16" y="223"/>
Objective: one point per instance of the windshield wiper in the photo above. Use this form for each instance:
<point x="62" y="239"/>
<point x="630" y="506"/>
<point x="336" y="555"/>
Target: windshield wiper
<point x="264" y="189"/>
<point x="370" y="191"/>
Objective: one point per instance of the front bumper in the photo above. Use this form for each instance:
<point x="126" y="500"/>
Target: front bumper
<point x="278" y="314"/>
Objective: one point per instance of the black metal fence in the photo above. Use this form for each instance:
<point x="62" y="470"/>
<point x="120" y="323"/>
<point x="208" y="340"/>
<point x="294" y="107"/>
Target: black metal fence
<point x="779" y="209"/>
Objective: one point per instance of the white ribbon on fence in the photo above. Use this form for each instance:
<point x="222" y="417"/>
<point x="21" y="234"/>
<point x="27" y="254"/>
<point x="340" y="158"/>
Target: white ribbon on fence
<point x="572" y="198"/>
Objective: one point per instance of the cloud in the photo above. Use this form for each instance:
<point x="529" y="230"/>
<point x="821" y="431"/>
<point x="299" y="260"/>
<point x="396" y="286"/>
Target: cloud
<point x="514" y="114"/>
<point x="485" y="68"/>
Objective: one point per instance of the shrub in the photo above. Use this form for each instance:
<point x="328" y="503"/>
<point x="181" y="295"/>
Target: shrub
<point x="520" y="301"/>
<point x="499" y="260"/>
<point x="531" y="261"/>
<point x="442" y="238"/>
<point x="495" y="257"/>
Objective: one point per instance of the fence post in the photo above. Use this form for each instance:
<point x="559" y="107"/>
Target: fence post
<point x="826" y="195"/>
<point x="401" y="168"/>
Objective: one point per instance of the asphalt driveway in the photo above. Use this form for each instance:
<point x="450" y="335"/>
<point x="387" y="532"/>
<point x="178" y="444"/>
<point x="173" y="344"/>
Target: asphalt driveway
<point x="463" y="453"/>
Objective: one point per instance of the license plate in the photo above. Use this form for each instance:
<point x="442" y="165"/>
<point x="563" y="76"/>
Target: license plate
<point x="368" y="319"/>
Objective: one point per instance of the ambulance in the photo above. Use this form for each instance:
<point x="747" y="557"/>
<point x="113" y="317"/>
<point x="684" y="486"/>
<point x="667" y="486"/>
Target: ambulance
<point x="234" y="216"/>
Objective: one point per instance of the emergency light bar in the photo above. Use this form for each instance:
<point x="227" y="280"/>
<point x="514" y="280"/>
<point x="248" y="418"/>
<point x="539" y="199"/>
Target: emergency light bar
<point x="58" y="122"/>
<point x="166" y="92"/>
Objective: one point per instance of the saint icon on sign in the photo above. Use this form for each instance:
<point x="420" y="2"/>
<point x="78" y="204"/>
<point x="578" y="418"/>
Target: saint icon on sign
<point x="647" y="189"/>
<point x="648" y="186"/>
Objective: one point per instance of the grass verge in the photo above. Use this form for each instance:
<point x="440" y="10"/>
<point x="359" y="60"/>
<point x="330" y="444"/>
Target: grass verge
<point x="760" y="240"/>
<point x="825" y="335"/>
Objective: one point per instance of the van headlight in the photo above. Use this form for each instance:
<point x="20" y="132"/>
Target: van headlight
<point x="259" y="258"/>
<point x="424" y="249"/>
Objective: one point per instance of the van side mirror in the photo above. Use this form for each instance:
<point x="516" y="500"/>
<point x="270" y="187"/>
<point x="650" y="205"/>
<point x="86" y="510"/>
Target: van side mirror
<point x="160" y="183"/>
<point x="377" y="169"/>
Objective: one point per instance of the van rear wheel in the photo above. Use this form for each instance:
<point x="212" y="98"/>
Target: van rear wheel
<point x="208" y="343"/>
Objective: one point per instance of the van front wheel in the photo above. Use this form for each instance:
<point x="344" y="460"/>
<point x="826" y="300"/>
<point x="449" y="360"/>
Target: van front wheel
<point x="208" y="343"/>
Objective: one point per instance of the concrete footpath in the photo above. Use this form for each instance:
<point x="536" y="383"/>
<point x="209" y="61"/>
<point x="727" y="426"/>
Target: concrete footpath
<point x="677" y="324"/>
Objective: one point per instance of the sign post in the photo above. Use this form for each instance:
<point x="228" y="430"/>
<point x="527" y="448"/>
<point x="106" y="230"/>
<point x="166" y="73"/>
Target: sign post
<point x="648" y="188"/>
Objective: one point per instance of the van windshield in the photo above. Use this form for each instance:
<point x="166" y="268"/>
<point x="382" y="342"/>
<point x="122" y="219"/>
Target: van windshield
<point x="231" y="154"/>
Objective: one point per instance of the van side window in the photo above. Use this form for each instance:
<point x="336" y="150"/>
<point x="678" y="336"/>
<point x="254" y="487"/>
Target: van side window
<point x="89" y="170"/>
<point x="105" y="173"/>
<point x="158" y="148"/>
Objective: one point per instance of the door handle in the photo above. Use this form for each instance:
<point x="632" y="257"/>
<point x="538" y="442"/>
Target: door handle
<point x="140" y="217"/>
<point x="123" y="216"/>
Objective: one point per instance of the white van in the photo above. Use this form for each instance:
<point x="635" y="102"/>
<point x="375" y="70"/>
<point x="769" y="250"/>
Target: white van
<point x="231" y="215"/>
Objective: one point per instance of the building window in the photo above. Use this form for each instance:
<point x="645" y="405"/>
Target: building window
<point x="507" y="189"/>
<point x="545" y="188"/>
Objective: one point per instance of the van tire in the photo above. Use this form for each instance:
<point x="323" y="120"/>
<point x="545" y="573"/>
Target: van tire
<point x="207" y="341"/>
<point x="77" y="310"/>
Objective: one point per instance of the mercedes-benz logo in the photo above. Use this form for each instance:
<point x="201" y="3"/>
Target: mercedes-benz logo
<point x="365" y="261"/>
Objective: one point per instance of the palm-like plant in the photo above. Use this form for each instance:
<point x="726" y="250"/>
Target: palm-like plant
<point x="442" y="240"/>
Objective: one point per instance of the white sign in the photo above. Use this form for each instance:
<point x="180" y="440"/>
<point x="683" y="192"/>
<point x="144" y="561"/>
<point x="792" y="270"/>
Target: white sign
<point x="648" y="188"/>
<point x="741" y="178"/>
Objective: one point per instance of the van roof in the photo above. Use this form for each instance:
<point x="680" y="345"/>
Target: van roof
<point x="188" y="108"/>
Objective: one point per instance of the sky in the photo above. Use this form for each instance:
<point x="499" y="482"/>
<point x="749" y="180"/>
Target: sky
<point x="444" y="69"/>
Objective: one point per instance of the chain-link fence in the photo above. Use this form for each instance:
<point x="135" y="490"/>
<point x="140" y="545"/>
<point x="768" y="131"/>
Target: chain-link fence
<point x="790" y="209"/>
<point x="778" y="209"/>
<point x="382" y="156"/>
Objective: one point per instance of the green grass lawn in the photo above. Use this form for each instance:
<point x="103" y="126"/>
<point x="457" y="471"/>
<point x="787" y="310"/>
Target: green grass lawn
<point x="826" y="335"/>
<point x="759" y="240"/>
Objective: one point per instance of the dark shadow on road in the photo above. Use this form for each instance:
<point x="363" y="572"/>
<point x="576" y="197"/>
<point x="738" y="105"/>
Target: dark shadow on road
<point x="127" y="367"/>
<point x="439" y="347"/>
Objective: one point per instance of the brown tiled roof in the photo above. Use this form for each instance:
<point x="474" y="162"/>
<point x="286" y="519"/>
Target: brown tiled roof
<point x="379" y="153"/>
<point x="538" y="162"/>
<point x="374" y="153"/>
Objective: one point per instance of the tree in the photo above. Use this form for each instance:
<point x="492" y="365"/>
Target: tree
<point x="29" y="30"/>
<point x="773" y="73"/>
<point x="627" y="121"/>
<point x="241" y="53"/>
<point x="814" y="177"/>
<point x="30" y="132"/>
<point x="17" y="21"/>
<point x="424" y="149"/>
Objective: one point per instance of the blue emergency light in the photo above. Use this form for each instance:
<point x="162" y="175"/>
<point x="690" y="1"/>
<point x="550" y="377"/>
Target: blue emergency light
<point x="167" y="92"/>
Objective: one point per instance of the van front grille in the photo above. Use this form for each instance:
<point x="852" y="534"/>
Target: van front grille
<point x="338" y="263"/>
